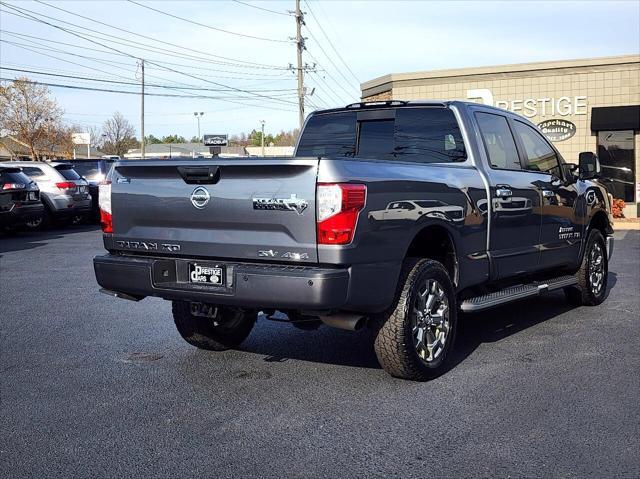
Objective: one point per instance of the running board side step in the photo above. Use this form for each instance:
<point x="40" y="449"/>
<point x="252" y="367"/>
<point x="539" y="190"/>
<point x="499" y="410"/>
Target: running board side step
<point x="515" y="293"/>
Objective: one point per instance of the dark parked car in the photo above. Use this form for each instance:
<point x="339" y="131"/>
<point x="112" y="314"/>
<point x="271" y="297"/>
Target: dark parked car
<point x="19" y="199"/>
<point x="95" y="172"/>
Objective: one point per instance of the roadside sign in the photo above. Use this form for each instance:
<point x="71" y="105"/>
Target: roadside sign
<point x="215" y="140"/>
<point x="80" y="138"/>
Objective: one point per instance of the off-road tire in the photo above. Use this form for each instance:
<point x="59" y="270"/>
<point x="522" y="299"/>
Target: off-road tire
<point x="394" y="342"/>
<point x="233" y="326"/>
<point x="581" y="294"/>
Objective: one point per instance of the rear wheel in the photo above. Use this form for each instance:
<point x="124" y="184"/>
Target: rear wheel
<point x="592" y="275"/>
<point x="415" y="338"/>
<point x="35" y="223"/>
<point x="211" y="327"/>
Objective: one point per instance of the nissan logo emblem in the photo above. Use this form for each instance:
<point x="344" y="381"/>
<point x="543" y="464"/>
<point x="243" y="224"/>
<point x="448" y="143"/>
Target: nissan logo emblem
<point x="200" y="197"/>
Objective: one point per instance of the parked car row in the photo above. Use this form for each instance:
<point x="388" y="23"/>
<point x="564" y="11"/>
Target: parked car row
<point x="36" y="194"/>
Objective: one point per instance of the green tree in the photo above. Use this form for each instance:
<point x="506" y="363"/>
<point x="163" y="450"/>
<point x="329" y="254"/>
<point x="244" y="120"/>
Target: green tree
<point x="151" y="140"/>
<point x="173" y="139"/>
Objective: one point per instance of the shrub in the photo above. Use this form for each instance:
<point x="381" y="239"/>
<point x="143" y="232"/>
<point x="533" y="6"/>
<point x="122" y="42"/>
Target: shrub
<point x="617" y="208"/>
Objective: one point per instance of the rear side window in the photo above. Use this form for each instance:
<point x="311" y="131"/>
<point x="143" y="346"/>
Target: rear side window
<point x="14" y="177"/>
<point x="35" y="173"/>
<point x="329" y="135"/>
<point x="540" y="156"/>
<point x="428" y="135"/>
<point x="498" y="141"/>
<point x="68" y="172"/>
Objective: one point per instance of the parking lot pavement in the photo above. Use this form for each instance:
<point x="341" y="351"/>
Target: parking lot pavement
<point x="100" y="387"/>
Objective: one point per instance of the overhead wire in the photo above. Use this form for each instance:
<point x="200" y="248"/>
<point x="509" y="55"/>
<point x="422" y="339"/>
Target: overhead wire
<point x="149" y="61"/>
<point x="193" y="22"/>
<point x="330" y="42"/>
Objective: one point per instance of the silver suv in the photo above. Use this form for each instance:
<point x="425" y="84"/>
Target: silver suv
<point x="64" y="192"/>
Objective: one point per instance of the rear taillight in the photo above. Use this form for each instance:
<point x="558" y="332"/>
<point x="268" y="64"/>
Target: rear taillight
<point x="66" y="185"/>
<point x="13" y="186"/>
<point x="104" y="203"/>
<point x="338" y="206"/>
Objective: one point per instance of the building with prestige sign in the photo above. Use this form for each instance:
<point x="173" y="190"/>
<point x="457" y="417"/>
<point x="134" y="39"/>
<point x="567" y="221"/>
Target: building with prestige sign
<point x="580" y="105"/>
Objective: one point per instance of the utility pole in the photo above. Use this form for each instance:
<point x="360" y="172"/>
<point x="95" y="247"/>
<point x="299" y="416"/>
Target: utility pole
<point x="142" y="152"/>
<point x="262" y="137"/>
<point x="300" y="47"/>
<point x="195" y="113"/>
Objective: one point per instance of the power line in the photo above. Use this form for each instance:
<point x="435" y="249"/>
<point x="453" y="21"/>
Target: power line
<point x="132" y="56"/>
<point x="204" y="25"/>
<point x="151" y="85"/>
<point x="334" y="80"/>
<point x="207" y="54"/>
<point x="261" y="8"/>
<point x="330" y="60"/>
<point x="261" y="74"/>
<point x="106" y="90"/>
<point x="330" y="42"/>
<point x="133" y="43"/>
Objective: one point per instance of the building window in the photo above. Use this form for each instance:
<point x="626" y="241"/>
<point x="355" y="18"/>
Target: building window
<point x="617" y="159"/>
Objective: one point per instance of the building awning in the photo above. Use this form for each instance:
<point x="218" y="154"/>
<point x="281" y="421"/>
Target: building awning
<point x="615" y="118"/>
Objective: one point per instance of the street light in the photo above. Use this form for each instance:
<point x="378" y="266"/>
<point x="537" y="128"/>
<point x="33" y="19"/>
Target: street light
<point x="198" y="115"/>
<point x="262" y="136"/>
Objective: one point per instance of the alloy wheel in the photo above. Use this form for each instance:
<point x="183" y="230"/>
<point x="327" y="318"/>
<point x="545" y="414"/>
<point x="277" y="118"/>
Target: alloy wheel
<point x="430" y="325"/>
<point x="596" y="268"/>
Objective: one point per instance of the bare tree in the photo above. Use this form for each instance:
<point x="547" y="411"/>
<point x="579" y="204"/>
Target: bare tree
<point x="119" y="135"/>
<point x="95" y="136"/>
<point x="29" y="114"/>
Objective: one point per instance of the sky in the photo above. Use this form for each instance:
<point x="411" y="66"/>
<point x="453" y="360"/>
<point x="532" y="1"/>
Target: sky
<point x="230" y="59"/>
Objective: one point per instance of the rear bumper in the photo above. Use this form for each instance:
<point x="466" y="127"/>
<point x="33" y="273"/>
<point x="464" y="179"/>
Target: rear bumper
<point x="247" y="285"/>
<point x="20" y="215"/>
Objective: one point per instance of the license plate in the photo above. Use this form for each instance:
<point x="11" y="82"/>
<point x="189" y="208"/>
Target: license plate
<point x="33" y="196"/>
<point x="201" y="274"/>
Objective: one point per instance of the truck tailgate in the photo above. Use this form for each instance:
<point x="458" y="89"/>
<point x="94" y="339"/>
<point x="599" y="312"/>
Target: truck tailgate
<point x="237" y="209"/>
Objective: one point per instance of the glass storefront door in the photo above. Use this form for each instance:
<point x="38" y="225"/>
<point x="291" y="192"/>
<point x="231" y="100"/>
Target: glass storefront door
<point x="617" y="159"/>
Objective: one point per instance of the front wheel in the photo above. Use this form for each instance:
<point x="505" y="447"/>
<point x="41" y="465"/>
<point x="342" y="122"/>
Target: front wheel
<point x="592" y="275"/>
<point x="211" y="327"/>
<point x="415" y="338"/>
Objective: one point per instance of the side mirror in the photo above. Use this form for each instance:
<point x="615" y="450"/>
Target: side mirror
<point x="589" y="165"/>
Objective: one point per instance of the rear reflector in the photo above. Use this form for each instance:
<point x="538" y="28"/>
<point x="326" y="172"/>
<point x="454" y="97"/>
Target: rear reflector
<point x="338" y="207"/>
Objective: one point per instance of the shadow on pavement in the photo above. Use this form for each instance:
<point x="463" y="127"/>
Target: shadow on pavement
<point x="280" y="342"/>
<point x="26" y="240"/>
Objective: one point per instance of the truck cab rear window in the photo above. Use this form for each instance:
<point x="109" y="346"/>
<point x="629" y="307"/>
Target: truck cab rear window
<point x="329" y="135"/>
<point x="421" y="135"/>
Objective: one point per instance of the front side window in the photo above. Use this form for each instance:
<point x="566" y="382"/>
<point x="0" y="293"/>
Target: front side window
<point x="498" y="141"/>
<point x="540" y="156"/>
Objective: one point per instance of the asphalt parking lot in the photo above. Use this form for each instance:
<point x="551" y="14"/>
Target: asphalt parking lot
<point x="92" y="386"/>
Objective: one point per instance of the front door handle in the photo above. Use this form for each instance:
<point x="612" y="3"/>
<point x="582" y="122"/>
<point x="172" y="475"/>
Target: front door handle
<point x="503" y="191"/>
<point x="548" y="193"/>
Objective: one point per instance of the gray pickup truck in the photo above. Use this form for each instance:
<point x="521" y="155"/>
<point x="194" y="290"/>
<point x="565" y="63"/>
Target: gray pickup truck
<point x="392" y="215"/>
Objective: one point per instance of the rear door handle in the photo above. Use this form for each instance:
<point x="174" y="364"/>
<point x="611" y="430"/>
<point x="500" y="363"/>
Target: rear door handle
<point x="503" y="191"/>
